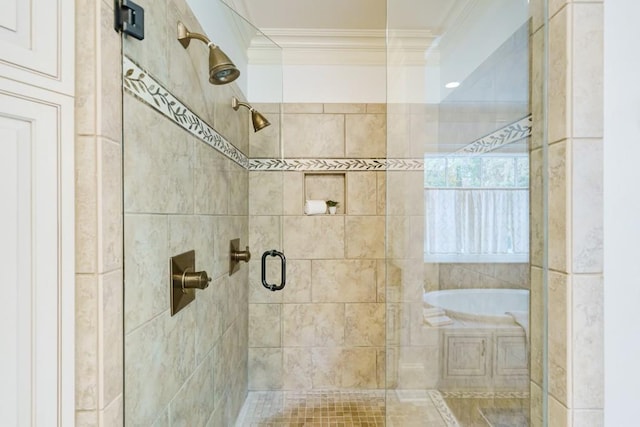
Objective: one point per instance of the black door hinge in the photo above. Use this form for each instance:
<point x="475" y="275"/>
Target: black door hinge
<point x="129" y="18"/>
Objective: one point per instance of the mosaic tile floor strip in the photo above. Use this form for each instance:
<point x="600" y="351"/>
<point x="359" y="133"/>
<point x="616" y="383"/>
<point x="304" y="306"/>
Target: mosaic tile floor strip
<point x="404" y="408"/>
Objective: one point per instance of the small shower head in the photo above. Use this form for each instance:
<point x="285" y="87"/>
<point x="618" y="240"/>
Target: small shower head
<point x="221" y="69"/>
<point x="258" y="120"/>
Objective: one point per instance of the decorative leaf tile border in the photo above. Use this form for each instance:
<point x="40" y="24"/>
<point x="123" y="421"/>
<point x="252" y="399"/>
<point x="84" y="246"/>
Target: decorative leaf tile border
<point x="138" y="82"/>
<point x="353" y="165"/>
<point x="443" y="409"/>
<point x="508" y="134"/>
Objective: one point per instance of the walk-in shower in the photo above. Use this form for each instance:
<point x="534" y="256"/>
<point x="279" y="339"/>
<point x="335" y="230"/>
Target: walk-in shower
<point x="418" y="303"/>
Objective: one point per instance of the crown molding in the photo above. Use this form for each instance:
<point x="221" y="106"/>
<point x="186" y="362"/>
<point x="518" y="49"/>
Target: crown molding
<point x="339" y="46"/>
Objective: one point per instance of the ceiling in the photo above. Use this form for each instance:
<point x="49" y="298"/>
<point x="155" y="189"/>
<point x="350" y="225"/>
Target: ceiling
<point x="434" y="16"/>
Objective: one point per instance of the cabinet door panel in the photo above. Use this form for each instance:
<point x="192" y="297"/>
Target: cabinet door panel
<point x="466" y="355"/>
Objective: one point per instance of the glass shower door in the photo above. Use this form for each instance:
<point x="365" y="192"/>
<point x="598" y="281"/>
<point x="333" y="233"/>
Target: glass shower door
<point x="464" y="288"/>
<point x="186" y="187"/>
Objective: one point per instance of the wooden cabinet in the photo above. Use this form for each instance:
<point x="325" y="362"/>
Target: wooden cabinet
<point x="484" y="359"/>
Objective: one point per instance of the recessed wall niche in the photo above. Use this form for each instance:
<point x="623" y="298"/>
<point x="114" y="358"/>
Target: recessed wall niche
<point x="326" y="186"/>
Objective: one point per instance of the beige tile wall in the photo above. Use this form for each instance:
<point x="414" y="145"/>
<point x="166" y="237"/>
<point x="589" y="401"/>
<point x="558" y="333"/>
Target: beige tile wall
<point x="574" y="171"/>
<point x="99" y="227"/>
<point x="326" y="328"/>
<point x="189" y="369"/>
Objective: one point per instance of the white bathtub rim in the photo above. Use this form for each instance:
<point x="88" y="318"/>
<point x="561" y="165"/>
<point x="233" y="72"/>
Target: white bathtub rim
<point x="476" y="317"/>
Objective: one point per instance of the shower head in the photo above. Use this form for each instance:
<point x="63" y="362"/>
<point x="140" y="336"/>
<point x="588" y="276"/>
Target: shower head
<point x="221" y="69"/>
<point x="258" y="120"/>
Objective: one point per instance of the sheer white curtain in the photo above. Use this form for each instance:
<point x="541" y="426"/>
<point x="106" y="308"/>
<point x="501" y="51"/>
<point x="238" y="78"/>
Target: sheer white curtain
<point x="476" y="225"/>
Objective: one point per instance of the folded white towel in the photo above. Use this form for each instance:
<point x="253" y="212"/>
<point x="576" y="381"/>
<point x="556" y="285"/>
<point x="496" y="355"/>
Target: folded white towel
<point x="315" y="207"/>
<point x="438" y="321"/>
<point x="432" y="312"/>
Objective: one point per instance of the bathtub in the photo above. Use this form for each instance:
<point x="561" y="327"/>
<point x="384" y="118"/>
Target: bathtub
<point x="489" y="305"/>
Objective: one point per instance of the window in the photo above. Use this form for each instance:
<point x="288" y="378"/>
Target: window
<point x="476" y="208"/>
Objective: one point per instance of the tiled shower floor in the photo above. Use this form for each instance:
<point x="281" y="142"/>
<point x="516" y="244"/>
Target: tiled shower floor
<point x="345" y="408"/>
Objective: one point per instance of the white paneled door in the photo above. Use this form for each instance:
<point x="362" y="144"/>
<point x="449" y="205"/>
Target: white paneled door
<point x="36" y="216"/>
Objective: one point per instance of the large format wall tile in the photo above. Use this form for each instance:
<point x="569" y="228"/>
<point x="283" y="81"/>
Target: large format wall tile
<point x="164" y="350"/>
<point x="343" y="280"/>
<point x="313" y="135"/>
<point x="193" y="404"/>
<point x="307" y="325"/>
<point x="361" y="193"/>
<point x="146" y="268"/>
<point x="364" y="237"/>
<point x="365" y="135"/>
<point x="364" y="334"/>
<point x="314" y="237"/>
<point x="155" y="146"/>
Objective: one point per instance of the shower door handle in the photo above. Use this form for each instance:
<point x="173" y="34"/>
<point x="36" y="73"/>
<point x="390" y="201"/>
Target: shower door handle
<point x="283" y="272"/>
